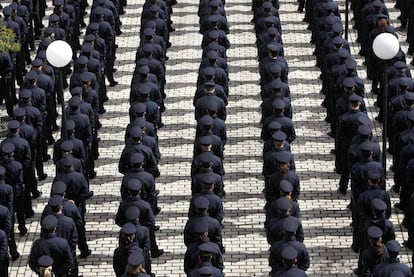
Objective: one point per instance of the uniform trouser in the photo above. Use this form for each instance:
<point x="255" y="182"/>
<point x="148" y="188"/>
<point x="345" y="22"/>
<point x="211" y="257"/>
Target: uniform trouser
<point x="82" y="243"/>
<point x="102" y="93"/>
<point x="153" y="241"/>
<point x="6" y="92"/>
<point x="29" y="181"/>
<point x="18" y="207"/>
<point x="50" y="120"/>
<point x="4" y="271"/>
<point x="41" y="150"/>
<point x="12" y="241"/>
<point x="355" y="223"/>
<point x="344" y="181"/>
<point x="82" y="209"/>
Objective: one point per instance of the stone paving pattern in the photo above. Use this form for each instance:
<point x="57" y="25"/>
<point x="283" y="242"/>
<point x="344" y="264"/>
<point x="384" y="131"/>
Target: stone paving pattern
<point x="324" y="215"/>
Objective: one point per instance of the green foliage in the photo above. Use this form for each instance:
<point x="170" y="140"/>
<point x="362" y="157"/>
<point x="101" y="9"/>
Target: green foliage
<point x="8" y="39"/>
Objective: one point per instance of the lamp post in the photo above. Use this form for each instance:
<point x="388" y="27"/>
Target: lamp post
<point x="346" y="19"/>
<point x="385" y="47"/>
<point x="59" y="54"/>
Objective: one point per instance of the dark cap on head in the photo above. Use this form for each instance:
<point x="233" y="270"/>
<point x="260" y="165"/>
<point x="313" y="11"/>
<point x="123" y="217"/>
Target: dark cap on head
<point x="290" y="224"/>
<point x="393" y="246"/>
<point x="275" y="125"/>
<point x="70" y="124"/>
<point x="206" y="120"/>
<point x="128" y="229"/>
<point x="349" y="82"/>
<point x="354" y="98"/>
<point x="25" y="94"/>
<point x="37" y="62"/>
<point x="143" y="69"/>
<point x="201" y="202"/>
<point x="205" y="140"/>
<point x="136" y="259"/>
<point x="278" y="104"/>
<point x="76" y="91"/>
<point x="75" y="101"/>
<point x="282" y="204"/>
<point x="19" y="112"/>
<point x="139" y="108"/>
<point x="31" y="75"/>
<point x="279" y="136"/>
<point x="283" y="156"/>
<point x="66" y="146"/>
<point x="58" y="187"/>
<point x="55" y="201"/>
<point x="274" y="47"/>
<point x="137" y="158"/>
<point x="366" y="146"/>
<point x="135" y="132"/>
<point x="364" y="129"/>
<point x="378" y="205"/>
<point x="49" y="222"/>
<point x="374" y="232"/>
<point x="8" y="148"/>
<point x="45" y="261"/>
<point x="285" y="186"/>
<point x="13" y="125"/>
<point x="289" y="253"/>
<point x="134" y="185"/>
<point x="132" y="213"/>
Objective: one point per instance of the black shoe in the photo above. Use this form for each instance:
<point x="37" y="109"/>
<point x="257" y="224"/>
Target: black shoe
<point x="341" y="191"/>
<point x="50" y="141"/>
<point x="29" y="214"/>
<point x="45" y="158"/>
<point x="92" y="174"/>
<point x="112" y="84"/>
<point x="36" y="194"/>
<point x="395" y="188"/>
<point x="55" y="127"/>
<point x="85" y="254"/>
<point x="102" y="111"/>
<point x="157" y="254"/>
<point x="15" y="256"/>
<point x="157" y="210"/>
<point x="156" y="227"/>
<point x="42" y="177"/>
<point x="23" y="232"/>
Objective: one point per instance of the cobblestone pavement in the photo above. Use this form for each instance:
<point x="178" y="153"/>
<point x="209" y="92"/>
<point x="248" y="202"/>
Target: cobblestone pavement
<point x="324" y="215"/>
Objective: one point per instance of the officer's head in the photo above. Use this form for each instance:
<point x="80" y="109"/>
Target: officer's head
<point x="13" y="126"/>
<point x="393" y="248"/>
<point x="206" y="143"/>
<point x="128" y="234"/>
<point x="135" y="265"/>
<point x="205" y="252"/>
<point x="132" y="214"/>
<point x="290" y="225"/>
<point x="201" y="229"/>
<point x="378" y="208"/>
<point x="49" y="224"/>
<point x="278" y="138"/>
<point x="19" y="114"/>
<point x="289" y="255"/>
<point x="7" y="150"/>
<point x="134" y="187"/>
<point x="283" y="158"/>
<point x="285" y="188"/>
<point x="55" y="204"/>
<point x="201" y="204"/>
<point x="137" y="160"/>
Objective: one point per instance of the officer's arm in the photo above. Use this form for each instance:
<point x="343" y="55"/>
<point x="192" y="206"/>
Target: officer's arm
<point x="34" y="255"/>
<point x="74" y="236"/>
<point x="120" y="217"/>
<point x="305" y="262"/>
<point x="4" y="257"/>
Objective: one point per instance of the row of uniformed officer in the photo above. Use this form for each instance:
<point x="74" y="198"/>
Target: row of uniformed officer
<point x="284" y="232"/>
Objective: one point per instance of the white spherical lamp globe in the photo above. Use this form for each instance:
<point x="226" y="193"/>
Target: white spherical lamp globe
<point x="385" y="46"/>
<point x="59" y="53"/>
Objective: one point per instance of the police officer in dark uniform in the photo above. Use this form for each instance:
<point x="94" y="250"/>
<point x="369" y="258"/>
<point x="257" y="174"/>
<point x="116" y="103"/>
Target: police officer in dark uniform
<point x="136" y="264"/>
<point x="77" y="186"/>
<point x="65" y="227"/>
<point x="275" y="259"/>
<point x="392" y="263"/>
<point x="22" y="154"/>
<point x="215" y="208"/>
<point x="142" y="235"/>
<point x="134" y="146"/>
<point x="289" y="257"/>
<point x="205" y="174"/>
<point x="53" y="246"/>
<point x="136" y="171"/>
<point x="375" y="253"/>
<point x="14" y="177"/>
<point x="201" y="205"/>
<point x="274" y="230"/>
<point x="204" y="248"/>
<point x="127" y="246"/>
<point x="147" y="217"/>
<point x="70" y="210"/>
